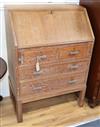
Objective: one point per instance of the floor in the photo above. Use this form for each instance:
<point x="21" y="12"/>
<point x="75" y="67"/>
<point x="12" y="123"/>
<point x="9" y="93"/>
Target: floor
<point x="59" y="111"/>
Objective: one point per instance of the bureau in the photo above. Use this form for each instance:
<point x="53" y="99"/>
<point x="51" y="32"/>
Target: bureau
<point x="49" y="51"/>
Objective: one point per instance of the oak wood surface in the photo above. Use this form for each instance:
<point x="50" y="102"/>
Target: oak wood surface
<point x="40" y="28"/>
<point x="48" y="70"/>
<point x="55" y="53"/>
<point x="11" y="52"/>
<point x="58" y="85"/>
<point x="53" y="41"/>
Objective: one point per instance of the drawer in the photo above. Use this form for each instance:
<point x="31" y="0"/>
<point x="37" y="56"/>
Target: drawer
<point x="46" y="70"/>
<point x="41" y="54"/>
<point x="62" y="83"/>
<point x="75" y="51"/>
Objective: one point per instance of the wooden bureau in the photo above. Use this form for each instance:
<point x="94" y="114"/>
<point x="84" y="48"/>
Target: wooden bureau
<point x="49" y="51"/>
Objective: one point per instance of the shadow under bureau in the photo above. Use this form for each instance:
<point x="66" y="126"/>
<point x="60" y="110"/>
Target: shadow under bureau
<point x="49" y="51"/>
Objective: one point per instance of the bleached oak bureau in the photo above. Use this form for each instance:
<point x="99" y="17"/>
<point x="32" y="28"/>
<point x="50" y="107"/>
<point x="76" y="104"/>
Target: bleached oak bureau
<point x="49" y="51"/>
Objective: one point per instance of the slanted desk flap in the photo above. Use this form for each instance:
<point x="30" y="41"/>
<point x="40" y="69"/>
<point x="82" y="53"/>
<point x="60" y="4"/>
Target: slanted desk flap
<point x="50" y="27"/>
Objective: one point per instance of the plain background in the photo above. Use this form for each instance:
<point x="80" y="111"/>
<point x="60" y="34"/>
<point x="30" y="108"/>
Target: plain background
<point x="4" y="87"/>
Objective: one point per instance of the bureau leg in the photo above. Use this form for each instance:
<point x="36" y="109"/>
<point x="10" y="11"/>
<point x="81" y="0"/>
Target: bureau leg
<point x="19" y="111"/>
<point x="11" y="94"/>
<point x="17" y="104"/>
<point x="81" y="97"/>
<point x="92" y="103"/>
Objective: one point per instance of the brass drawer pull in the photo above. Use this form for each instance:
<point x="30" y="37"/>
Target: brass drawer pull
<point x="36" y="88"/>
<point x="72" y="67"/>
<point x="72" y="81"/>
<point x="74" y="52"/>
<point x="43" y="57"/>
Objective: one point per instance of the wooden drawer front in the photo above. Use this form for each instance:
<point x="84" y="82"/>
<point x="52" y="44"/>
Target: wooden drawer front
<point x="43" y="55"/>
<point x="29" y="72"/>
<point x="77" y="51"/>
<point x="60" y="83"/>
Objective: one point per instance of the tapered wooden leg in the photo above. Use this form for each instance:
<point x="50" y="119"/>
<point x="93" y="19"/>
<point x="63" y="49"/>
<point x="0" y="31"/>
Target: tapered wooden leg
<point x="81" y="97"/>
<point x="17" y="104"/>
<point x="11" y="94"/>
<point x="92" y="103"/>
<point x="18" y="107"/>
<point x="19" y="111"/>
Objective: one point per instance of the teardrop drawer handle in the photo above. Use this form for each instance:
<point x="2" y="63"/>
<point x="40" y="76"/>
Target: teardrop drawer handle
<point x="38" y="59"/>
<point x="72" y="81"/>
<point x="72" y="67"/>
<point x="37" y="66"/>
<point x="74" y="52"/>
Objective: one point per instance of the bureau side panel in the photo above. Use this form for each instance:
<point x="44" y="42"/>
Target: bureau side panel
<point x="12" y="53"/>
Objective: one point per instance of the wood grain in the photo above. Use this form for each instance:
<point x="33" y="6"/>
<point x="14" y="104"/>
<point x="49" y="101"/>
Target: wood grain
<point x="53" y="39"/>
<point x="49" y="70"/>
<point x="44" y="88"/>
<point x="40" y="28"/>
<point x="54" y="112"/>
<point x="11" y="52"/>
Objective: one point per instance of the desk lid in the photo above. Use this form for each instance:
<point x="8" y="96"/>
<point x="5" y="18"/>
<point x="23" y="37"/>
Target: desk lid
<point x="42" y="27"/>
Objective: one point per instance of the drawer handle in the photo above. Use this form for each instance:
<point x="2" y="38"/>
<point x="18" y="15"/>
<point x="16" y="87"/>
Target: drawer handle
<point x="74" y="52"/>
<point x="72" y="67"/>
<point x="36" y="88"/>
<point x="38" y="59"/>
<point x="43" y="57"/>
<point x="72" y="81"/>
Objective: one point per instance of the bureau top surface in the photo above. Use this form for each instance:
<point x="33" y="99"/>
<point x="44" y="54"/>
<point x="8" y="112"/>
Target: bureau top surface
<point x="50" y="26"/>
